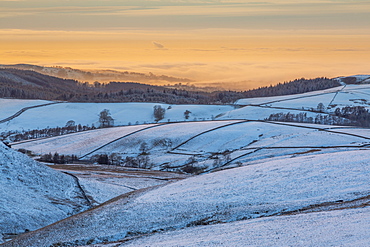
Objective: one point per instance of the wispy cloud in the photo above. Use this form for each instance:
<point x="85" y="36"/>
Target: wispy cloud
<point x="158" y="45"/>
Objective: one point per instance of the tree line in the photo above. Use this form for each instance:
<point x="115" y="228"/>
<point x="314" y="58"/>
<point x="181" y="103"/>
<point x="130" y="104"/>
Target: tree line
<point x="349" y="115"/>
<point x="26" y="84"/>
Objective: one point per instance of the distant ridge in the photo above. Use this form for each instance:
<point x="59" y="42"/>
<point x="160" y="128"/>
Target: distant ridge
<point x="29" y="84"/>
<point x="98" y="75"/>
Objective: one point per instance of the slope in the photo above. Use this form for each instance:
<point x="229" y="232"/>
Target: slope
<point x="33" y="195"/>
<point x="262" y="190"/>
<point x="346" y="228"/>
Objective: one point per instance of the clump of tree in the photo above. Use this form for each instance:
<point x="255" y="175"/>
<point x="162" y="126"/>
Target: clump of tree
<point x="302" y="118"/>
<point x="141" y="161"/>
<point x="349" y="115"/>
<point x="158" y="112"/>
<point x="359" y="115"/>
<point x="192" y="167"/>
<point x="293" y="87"/>
<point x="187" y="114"/>
<point x="105" y="119"/>
<point x="58" y="158"/>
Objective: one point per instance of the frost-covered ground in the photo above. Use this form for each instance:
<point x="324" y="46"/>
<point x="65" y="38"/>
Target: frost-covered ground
<point x="207" y="144"/>
<point x="350" y="95"/>
<point x="33" y="195"/>
<point x="155" y="135"/>
<point x="78" y="143"/>
<point x="335" y="228"/>
<point x="260" y="190"/>
<point x="9" y="107"/>
<point x="104" y="182"/>
<point x="266" y="100"/>
<point x="122" y="113"/>
<point x="277" y="168"/>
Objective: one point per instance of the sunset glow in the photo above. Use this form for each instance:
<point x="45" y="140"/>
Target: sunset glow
<point x="236" y="44"/>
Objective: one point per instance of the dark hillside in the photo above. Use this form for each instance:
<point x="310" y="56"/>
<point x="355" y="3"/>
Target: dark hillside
<point x="26" y="84"/>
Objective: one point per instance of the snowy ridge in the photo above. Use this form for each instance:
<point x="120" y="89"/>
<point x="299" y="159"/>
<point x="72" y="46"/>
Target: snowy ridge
<point x="33" y="195"/>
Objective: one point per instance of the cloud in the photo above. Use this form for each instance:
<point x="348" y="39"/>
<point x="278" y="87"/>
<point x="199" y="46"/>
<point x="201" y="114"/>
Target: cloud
<point x="180" y="66"/>
<point x="158" y="45"/>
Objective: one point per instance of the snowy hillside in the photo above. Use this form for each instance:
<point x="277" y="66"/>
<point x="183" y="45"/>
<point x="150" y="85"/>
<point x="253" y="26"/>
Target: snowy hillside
<point x="204" y="175"/>
<point x="122" y="113"/>
<point x="33" y="195"/>
<point x="335" y="228"/>
<point x="9" y="107"/>
<point x="207" y="145"/>
<point x="261" y="108"/>
<point x="57" y="115"/>
<point x="310" y="183"/>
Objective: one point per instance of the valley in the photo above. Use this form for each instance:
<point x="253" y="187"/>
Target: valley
<point x="267" y="171"/>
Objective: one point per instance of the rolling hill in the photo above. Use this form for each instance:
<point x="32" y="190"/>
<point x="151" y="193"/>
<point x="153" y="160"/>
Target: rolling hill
<point x="265" y="190"/>
<point x="249" y="179"/>
<point x="33" y="195"/>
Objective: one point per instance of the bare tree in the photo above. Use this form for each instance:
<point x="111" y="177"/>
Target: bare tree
<point x="105" y="119"/>
<point x="159" y="112"/>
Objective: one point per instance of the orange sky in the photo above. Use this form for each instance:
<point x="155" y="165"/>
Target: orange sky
<point x="234" y="43"/>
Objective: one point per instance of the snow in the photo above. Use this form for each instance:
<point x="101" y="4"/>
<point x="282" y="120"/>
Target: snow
<point x="359" y="78"/>
<point x="334" y="228"/>
<point x="104" y="182"/>
<point x="78" y="143"/>
<point x="162" y="138"/>
<point x="249" y="192"/>
<point x="33" y="195"/>
<point x="306" y="103"/>
<point x="267" y="100"/>
<point x="258" y="113"/>
<point x="9" y="107"/>
<point x="169" y="146"/>
<point x="257" y="135"/>
<point x="122" y="113"/>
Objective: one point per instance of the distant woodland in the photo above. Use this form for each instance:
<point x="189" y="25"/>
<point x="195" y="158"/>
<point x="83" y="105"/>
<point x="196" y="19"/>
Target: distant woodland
<point x="26" y="84"/>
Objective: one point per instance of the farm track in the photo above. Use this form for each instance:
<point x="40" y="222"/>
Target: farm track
<point x="88" y="202"/>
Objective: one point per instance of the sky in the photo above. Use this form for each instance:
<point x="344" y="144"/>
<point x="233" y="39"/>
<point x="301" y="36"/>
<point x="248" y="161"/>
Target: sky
<point x="230" y="43"/>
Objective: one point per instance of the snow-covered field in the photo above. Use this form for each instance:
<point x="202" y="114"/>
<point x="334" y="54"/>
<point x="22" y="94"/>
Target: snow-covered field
<point x="350" y="95"/>
<point x="79" y="143"/>
<point x="210" y="143"/>
<point x="262" y="190"/>
<point x="266" y="100"/>
<point x="260" y="183"/>
<point x="142" y="113"/>
<point x="10" y="106"/>
<point x="334" y="228"/>
<point x="122" y="113"/>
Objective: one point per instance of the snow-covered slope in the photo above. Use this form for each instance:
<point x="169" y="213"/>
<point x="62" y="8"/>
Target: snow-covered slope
<point x="261" y="190"/>
<point x="33" y="195"/>
<point x="212" y="144"/>
<point x="334" y="228"/>
<point x="261" y="108"/>
<point x="9" y="107"/>
<point x="122" y="113"/>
